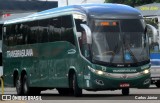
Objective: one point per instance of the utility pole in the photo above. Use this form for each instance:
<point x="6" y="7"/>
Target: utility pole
<point x="67" y="2"/>
<point x="84" y="1"/>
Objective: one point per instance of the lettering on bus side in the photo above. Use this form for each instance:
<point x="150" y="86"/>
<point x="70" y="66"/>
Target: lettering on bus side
<point x="20" y="53"/>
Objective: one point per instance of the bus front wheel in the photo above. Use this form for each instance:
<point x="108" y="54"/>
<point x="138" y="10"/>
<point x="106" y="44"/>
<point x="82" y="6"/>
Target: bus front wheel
<point x="125" y="91"/>
<point x="77" y="91"/>
<point x="65" y="91"/>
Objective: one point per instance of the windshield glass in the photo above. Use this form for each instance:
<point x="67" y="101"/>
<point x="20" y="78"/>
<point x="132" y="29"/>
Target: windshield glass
<point x="119" y="41"/>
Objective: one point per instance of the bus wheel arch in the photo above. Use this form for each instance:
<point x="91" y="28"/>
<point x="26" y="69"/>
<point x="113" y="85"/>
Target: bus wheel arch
<point x="73" y="83"/>
<point x="70" y="77"/>
<point x="18" y="82"/>
<point x="23" y="73"/>
<point x="15" y="76"/>
<point x="25" y="82"/>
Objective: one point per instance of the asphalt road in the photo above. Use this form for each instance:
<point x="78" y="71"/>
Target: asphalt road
<point x="136" y="96"/>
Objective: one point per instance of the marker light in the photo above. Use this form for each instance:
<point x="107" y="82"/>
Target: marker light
<point x="114" y="23"/>
<point x="104" y="23"/>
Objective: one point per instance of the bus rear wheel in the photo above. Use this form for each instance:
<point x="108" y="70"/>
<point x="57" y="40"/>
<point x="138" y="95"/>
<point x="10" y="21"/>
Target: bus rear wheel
<point x="76" y="90"/>
<point x="25" y="85"/>
<point x="125" y="91"/>
<point x="18" y="85"/>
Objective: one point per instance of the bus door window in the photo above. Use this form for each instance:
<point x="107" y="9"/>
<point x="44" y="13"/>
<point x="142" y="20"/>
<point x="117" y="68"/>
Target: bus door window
<point x="82" y="39"/>
<point x="84" y="46"/>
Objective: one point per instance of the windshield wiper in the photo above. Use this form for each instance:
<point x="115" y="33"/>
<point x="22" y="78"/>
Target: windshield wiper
<point x="115" y="51"/>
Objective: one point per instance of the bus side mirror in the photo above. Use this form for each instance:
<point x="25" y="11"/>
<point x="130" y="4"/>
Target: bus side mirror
<point x="152" y="31"/>
<point x="154" y="41"/>
<point x="88" y="33"/>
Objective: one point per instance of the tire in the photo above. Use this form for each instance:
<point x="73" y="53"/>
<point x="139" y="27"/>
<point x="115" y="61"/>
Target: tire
<point x="65" y="91"/>
<point x="157" y="84"/>
<point x="18" y="84"/>
<point x="76" y="90"/>
<point x="26" y="89"/>
<point x="34" y="91"/>
<point x="125" y="91"/>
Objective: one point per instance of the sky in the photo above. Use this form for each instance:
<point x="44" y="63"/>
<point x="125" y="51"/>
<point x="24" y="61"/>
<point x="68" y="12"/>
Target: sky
<point x="72" y="2"/>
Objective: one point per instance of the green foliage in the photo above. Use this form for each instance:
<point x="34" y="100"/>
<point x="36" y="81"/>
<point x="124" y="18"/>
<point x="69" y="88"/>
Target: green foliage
<point x="132" y="2"/>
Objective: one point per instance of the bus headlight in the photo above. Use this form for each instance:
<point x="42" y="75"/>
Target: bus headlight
<point x="146" y="71"/>
<point x="99" y="72"/>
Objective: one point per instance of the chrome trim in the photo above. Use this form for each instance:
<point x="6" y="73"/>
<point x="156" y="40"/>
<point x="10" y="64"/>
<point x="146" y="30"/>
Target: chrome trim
<point x="119" y="75"/>
<point x="124" y="76"/>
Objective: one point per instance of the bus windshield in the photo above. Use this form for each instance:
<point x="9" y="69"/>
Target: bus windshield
<point x="119" y="41"/>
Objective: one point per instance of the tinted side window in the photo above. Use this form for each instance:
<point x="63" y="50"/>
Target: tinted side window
<point x="43" y="31"/>
<point x="25" y="32"/>
<point x="67" y="29"/>
<point x="33" y="32"/>
<point x="0" y="32"/>
<point x="55" y="29"/>
<point x="12" y="40"/>
<point x="6" y="34"/>
<point x="18" y="33"/>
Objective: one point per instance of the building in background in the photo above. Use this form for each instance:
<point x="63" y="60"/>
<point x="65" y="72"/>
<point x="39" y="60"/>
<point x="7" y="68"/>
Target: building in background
<point x="11" y="6"/>
<point x="14" y="8"/>
<point x="75" y="2"/>
<point x="151" y="14"/>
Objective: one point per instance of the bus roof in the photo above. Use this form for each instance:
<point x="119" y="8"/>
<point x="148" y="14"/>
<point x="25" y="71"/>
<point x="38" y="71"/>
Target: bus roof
<point x="107" y="10"/>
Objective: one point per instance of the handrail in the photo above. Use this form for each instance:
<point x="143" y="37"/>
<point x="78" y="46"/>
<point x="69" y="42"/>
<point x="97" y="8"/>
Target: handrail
<point x="2" y="85"/>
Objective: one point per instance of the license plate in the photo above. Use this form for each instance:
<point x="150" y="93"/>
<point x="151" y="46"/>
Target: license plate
<point x="122" y="85"/>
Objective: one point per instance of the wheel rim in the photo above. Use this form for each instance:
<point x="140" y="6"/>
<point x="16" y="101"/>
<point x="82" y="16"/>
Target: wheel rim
<point x="25" y="87"/>
<point x="18" y="85"/>
<point x="73" y="83"/>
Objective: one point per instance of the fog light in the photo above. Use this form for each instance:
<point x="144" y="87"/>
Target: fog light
<point x="147" y="81"/>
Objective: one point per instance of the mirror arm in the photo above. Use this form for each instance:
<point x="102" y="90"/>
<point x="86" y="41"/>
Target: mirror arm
<point x="88" y="33"/>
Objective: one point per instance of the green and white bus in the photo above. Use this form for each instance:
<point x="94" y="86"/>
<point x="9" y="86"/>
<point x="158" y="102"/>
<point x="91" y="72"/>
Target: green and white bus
<point x="92" y="47"/>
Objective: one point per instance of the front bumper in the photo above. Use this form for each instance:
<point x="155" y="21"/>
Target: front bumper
<point x="97" y="82"/>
